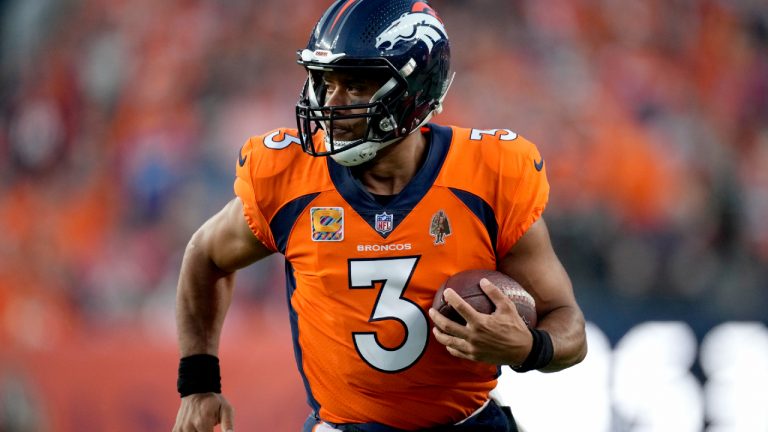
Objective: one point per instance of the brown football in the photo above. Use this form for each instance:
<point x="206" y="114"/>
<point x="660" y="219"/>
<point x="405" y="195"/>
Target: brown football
<point x="467" y="285"/>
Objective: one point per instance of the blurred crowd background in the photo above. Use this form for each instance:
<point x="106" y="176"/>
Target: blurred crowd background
<point x="121" y="121"/>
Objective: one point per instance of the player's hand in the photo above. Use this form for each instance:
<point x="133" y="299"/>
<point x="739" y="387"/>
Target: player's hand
<point x="201" y="412"/>
<point x="501" y="338"/>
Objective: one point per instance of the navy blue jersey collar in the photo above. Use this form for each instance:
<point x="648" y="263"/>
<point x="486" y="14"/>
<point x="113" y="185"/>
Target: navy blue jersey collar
<point x="439" y="141"/>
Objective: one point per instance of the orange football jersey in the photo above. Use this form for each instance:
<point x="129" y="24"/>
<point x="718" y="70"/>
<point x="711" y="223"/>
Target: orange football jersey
<point x="361" y="275"/>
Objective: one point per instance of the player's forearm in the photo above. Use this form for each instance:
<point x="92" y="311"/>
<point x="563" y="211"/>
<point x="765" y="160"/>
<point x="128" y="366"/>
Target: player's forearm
<point x="565" y="326"/>
<point x="202" y="299"/>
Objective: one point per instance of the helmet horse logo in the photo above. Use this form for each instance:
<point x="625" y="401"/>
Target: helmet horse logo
<point x="411" y="26"/>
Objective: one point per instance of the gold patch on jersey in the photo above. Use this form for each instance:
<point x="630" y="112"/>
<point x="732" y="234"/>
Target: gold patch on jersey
<point x="327" y="223"/>
<point x="440" y="228"/>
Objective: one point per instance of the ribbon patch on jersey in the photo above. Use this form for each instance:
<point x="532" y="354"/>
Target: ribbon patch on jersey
<point x="327" y="223"/>
<point x="440" y="228"/>
<point x="384" y="222"/>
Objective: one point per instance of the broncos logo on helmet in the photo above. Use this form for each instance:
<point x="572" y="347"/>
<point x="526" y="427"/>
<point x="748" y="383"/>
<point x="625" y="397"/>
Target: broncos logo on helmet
<point x="409" y="27"/>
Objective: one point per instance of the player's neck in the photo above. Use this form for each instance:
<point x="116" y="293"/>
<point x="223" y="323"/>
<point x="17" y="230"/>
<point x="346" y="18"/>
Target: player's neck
<point x="394" y="166"/>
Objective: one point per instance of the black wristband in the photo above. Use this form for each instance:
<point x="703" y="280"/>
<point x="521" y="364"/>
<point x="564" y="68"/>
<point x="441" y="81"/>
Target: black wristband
<point x="199" y="373"/>
<point x="541" y="353"/>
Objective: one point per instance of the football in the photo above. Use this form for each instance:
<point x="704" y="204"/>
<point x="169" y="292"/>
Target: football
<point x="467" y="285"/>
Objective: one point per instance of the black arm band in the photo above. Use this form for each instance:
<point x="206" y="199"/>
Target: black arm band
<point x="199" y="373"/>
<point x="541" y="353"/>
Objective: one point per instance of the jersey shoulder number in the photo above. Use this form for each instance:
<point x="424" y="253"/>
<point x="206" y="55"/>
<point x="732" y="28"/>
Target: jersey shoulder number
<point x="501" y="134"/>
<point x="280" y="139"/>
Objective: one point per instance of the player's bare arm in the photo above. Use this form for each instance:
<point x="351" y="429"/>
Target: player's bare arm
<point x="502" y="337"/>
<point x="220" y="246"/>
<point x="534" y="264"/>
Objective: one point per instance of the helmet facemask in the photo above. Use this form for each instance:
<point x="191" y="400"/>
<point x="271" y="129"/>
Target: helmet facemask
<point x="381" y="125"/>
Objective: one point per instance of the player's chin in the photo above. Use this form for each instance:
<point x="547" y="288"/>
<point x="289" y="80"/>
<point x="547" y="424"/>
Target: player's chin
<point x="345" y="135"/>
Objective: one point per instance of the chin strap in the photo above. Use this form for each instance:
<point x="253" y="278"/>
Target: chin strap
<point x="360" y="153"/>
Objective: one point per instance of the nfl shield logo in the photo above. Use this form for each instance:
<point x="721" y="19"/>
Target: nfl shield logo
<point x="384" y="222"/>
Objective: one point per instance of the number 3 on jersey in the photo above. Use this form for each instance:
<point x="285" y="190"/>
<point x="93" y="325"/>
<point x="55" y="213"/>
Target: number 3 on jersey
<point x="394" y="274"/>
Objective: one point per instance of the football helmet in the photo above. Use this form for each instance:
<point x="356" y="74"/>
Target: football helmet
<point x="404" y="40"/>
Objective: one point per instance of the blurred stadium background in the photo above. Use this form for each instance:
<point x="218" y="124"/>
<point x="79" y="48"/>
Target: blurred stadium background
<point x="120" y="126"/>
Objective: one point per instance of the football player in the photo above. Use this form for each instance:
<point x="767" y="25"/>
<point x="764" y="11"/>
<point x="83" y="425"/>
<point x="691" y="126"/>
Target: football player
<point x="373" y="208"/>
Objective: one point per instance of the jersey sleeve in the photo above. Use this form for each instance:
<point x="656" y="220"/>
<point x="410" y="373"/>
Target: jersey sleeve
<point x="524" y="192"/>
<point x="248" y="192"/>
